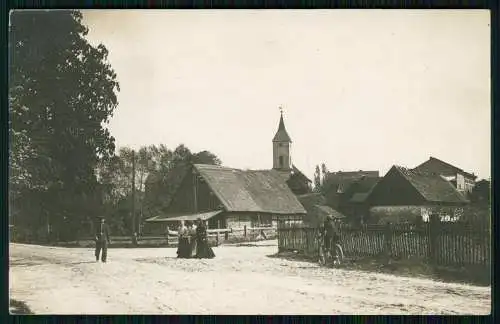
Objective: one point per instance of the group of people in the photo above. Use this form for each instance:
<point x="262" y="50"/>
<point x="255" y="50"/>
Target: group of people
<point x="193" y="241"/>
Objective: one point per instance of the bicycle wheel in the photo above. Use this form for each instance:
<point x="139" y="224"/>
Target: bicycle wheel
<point x="322" y="256"/>
<point x="339" y="254"/>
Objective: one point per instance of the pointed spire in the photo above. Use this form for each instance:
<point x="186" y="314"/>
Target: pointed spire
<point x="281" y="134"/>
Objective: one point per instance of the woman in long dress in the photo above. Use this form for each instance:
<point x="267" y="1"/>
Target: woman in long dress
<point x="192" y="239"/>
<point x="183" y="247"/>
<point x="203" y="251"/>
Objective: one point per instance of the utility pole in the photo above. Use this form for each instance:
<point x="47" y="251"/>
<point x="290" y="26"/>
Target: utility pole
<point x="134" y="235"/>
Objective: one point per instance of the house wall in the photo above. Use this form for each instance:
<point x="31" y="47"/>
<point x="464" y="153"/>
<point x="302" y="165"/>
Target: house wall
<point x="460" y="182"/>
<point x="282" y="149"/>
<point x="469" y="184"/>
<point x="184" y="199"/>
<point x="240" y="220"/>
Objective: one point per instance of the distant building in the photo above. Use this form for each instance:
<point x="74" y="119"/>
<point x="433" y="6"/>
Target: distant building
<point x="346" y="191"/>
<point x="463" y="181"/>
<point x="317" y="210"/>
<point x="405" y="195"/>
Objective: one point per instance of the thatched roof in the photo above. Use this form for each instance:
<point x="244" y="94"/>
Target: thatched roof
<point x="432" y="187"/>
<point x="250" y="190"/>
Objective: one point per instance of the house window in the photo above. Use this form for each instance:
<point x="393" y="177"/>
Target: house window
<point x="340" y="188"/>
<point x="281" y="161"/>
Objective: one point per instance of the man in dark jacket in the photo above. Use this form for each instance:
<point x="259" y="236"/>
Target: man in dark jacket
<point x="102" y="241"/>
<point x="330" y="233"/>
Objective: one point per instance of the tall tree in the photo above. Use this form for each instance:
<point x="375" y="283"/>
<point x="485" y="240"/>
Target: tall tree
<point x="62" y="93"/>
<point x="324" y="173"/>
<point x="317" y="179"/>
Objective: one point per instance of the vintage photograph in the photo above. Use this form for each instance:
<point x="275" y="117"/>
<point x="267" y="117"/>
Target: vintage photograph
<point x="246" y="162"/>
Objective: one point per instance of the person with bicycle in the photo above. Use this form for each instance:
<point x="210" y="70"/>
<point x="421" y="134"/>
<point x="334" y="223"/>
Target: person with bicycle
<point x="330" y="234"/>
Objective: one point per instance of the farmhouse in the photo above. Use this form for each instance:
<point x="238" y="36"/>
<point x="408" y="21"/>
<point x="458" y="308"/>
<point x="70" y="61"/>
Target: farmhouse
<point x="404" y="195"/>
<point x="463" y="181"/>
<point x="233" y="198"/>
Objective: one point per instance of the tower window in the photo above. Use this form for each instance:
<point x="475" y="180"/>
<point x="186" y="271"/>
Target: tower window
<point x="281" y="161"/>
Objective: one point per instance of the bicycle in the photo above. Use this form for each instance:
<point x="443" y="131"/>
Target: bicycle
<point x="326" y="257"/>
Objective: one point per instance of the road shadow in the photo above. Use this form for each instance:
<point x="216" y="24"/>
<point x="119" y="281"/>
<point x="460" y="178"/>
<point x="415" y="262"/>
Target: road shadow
<point x="41" y="261"/>
<point x="19" y="308"/>
<point x="476" y="275"/>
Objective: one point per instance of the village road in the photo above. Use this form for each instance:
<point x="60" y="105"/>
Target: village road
<point x="240" y="280"/>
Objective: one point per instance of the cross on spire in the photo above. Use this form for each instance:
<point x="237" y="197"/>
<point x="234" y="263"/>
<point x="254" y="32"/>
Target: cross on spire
<point x="281" y="109"/>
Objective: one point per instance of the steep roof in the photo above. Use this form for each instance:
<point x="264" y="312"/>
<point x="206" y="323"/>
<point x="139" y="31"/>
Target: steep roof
<point x="300" y="173"/>
<point x="281" y="134"/>
<point x="250" y="190"/>
<point x="327" y="210"/>
<point x="446" y="164"/>
<point x="316" y="208"/>
<point x="432" y="187"/>
<point x="344" y="180"/>
<point x="310" y="199"/>
<point x="359" y="197"/>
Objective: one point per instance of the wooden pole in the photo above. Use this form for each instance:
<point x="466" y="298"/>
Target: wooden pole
<point x="134" y="238"/>
<point x="195" y="198"/>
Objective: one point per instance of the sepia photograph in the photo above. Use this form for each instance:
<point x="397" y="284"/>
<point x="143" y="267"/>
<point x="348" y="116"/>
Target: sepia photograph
<point x="249" y="162"/>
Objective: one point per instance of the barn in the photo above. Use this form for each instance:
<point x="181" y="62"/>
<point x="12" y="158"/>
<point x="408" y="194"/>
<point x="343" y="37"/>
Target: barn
<point x="405" y="195"/>
<point x="232" y="198"/>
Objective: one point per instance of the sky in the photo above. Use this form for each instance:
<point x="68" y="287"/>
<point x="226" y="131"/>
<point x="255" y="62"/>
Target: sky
<point x="360" y="89"/>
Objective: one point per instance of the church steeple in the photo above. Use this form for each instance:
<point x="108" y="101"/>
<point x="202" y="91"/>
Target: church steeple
<point x="281" y="147"/>
<point x="281" y="134"/>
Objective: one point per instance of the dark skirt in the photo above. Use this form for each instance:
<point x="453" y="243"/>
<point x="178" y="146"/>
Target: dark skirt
<point x="183" y="248"/>
<point x="192" y="246"/>
<point x="203" y="251"/>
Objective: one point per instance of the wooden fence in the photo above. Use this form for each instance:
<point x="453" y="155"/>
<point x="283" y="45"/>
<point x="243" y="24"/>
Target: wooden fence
<point x="441" y="243"/>
<point x="215" y="237"/>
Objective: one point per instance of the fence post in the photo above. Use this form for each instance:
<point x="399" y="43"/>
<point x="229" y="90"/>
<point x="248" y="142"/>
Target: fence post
<point x="388" y="241"/>
<point x="433" y="232"/>
<point x="226" y="236"/>
<point x="244" y="231"/>
<point x="217" y="239"/>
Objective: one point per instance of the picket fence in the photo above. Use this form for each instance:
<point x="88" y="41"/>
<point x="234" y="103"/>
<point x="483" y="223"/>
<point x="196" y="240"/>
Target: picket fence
<point x="442" y="243"/>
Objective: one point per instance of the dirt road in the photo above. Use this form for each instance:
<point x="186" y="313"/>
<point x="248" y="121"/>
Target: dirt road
<point x="240" y="280"/>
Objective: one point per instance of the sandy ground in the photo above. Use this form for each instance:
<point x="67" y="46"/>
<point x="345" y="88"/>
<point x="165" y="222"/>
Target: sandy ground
<point x="240" y="280"/>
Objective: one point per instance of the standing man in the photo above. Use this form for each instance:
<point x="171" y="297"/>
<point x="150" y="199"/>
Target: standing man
<point x="102" y="241"/>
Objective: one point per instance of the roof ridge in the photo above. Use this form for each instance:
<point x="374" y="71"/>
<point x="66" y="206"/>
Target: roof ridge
<point x="435" y="158"/>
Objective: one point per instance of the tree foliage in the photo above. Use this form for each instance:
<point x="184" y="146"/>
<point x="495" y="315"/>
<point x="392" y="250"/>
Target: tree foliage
<point x="62" y="93"/>
<point x="317" y="179"/>
<point x="158" y="173"/>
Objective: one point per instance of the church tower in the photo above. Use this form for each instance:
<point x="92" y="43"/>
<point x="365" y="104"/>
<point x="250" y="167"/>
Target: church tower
<point x="282" y="160"/>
